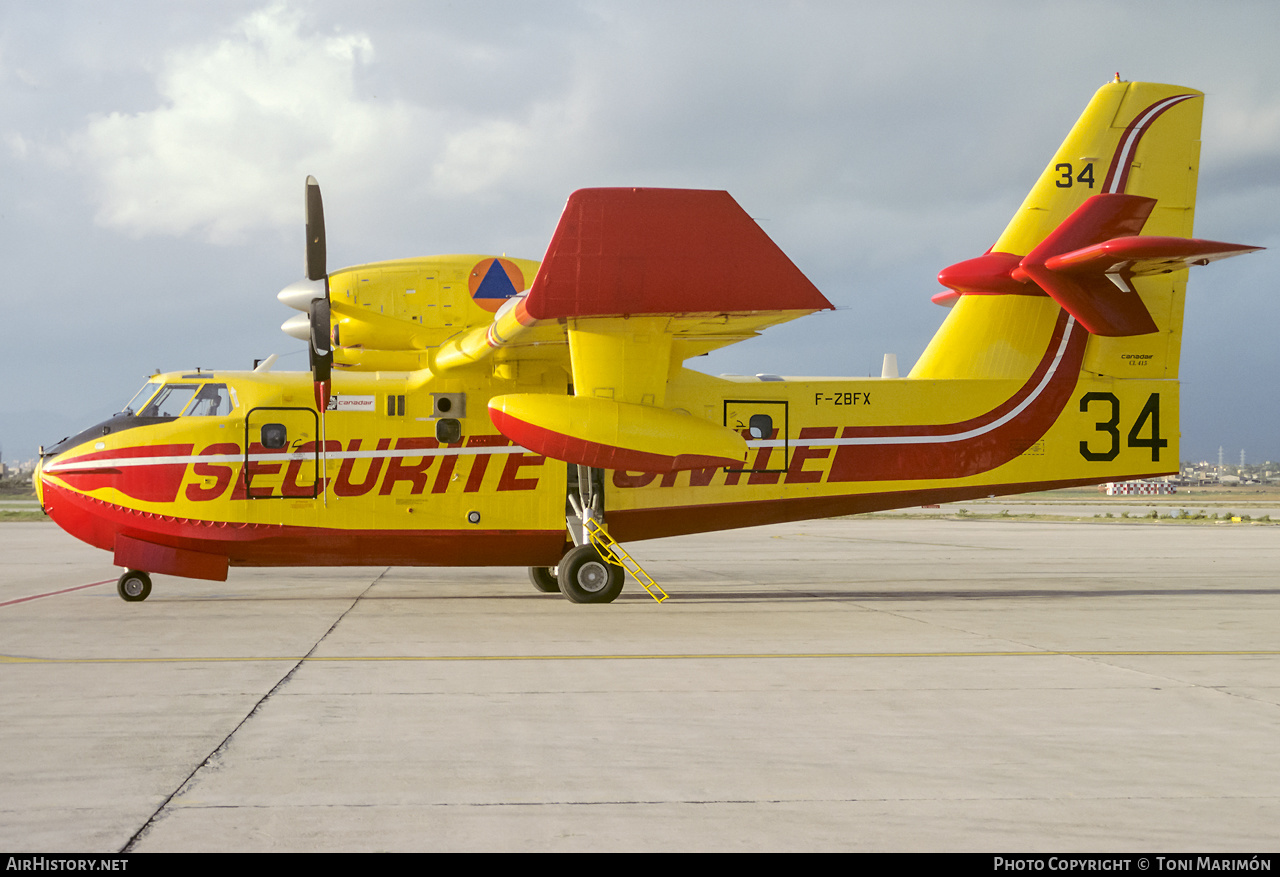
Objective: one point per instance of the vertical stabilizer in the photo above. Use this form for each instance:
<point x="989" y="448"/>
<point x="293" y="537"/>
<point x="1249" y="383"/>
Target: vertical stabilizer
<point x="1135" y="139"/>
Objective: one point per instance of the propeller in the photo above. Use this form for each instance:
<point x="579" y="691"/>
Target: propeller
<point x="312" y="296"/>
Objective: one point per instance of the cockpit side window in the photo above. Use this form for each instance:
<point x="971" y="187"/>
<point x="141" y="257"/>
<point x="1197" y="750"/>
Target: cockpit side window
<point x="211" y="401"/>
<point x="170" y="401"/>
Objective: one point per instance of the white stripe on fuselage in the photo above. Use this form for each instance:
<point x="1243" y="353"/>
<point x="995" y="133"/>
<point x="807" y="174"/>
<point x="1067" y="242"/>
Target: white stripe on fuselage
<point x="391" y="453"/>
<point x="402" y="453"/>
<point x="936" y="439"/>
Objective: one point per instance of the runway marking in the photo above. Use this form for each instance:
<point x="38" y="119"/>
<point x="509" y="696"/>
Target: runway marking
<point x="55" y="593"/>
<point x="710" y="656"/>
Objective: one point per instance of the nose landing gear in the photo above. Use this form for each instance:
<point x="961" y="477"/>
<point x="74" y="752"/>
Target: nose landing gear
<point x="134" y="586"/>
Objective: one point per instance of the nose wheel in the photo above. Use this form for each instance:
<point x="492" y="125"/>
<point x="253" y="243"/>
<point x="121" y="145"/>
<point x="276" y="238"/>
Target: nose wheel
<point x="134" y="586"/>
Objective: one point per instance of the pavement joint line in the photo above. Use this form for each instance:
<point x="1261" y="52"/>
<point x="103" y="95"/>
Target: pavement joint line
<point x="694" y="656"/>
<point x="221" y="747"/>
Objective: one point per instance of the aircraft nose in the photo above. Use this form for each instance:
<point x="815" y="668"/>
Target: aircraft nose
<point x="38" y="482"/>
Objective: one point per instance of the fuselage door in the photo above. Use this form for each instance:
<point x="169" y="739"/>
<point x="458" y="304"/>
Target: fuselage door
<point x="282" y="453"/>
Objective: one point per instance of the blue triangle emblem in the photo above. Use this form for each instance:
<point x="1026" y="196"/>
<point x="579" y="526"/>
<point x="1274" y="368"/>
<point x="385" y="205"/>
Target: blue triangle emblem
<point x="496" y="283"/>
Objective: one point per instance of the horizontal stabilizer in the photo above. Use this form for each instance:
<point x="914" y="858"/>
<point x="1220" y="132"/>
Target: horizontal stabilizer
<point x="1100" y="218"/>
<point x="1142" y="256"/>
<point x="599" y="432"/>
<point x="1086" y="263"/>
<point x="664" y="251"/>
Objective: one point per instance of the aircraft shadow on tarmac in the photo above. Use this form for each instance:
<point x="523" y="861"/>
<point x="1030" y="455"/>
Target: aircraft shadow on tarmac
<point x="779" y="596"/>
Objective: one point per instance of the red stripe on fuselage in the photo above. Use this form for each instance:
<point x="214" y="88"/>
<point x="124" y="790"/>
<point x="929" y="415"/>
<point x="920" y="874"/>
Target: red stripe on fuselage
<point x="153" y="483"/>
<point x="1000" y="437"/>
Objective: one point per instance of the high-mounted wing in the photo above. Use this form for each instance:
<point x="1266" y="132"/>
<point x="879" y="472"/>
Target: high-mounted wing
<point x="641" y="279"/>
<point x="692" y="256"/>
<point x="634" y="282"/>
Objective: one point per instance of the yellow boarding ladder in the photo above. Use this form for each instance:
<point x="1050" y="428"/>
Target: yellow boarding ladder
<point x="614" y="553"/>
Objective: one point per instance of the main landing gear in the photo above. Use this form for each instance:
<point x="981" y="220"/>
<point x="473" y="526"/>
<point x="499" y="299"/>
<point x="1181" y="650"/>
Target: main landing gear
<point x="134" y="586"/>
<point x="586" y="577"/>
<point x="583" y="574"/>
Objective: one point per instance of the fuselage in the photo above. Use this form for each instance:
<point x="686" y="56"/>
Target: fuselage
<point x="408" y="469"/>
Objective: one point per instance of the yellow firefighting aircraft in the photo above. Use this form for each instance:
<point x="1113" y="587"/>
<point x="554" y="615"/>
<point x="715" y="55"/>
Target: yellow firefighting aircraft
<point x="479" y="410"/>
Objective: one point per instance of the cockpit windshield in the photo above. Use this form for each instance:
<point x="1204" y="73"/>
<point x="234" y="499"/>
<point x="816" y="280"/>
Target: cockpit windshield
<point x="174" y="400"/>
<point x="140" y="398"/>
<point x="170" y="401"/>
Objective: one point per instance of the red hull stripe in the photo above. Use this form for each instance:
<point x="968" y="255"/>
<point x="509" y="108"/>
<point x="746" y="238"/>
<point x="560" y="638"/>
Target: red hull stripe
<point x="99" y="523"/>
<point x="134" y="553"/>
<point x="148" y="456"/>
<point x="165" y="465"/>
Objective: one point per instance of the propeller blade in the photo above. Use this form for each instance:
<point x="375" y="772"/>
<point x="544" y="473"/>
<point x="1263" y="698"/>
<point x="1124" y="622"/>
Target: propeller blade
<point x="315" y="260"/>
<point x="316" y="286"/>
<point x="321" y="347"/>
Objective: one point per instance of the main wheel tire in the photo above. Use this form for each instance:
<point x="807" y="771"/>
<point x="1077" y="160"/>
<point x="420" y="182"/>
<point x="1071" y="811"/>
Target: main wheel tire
<point x="544" y="579"/>
<point x="586" y="577"/>
<point x="134" y="586"/>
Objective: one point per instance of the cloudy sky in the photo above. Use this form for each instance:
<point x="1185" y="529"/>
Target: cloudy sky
<point x="152" y="158"/>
